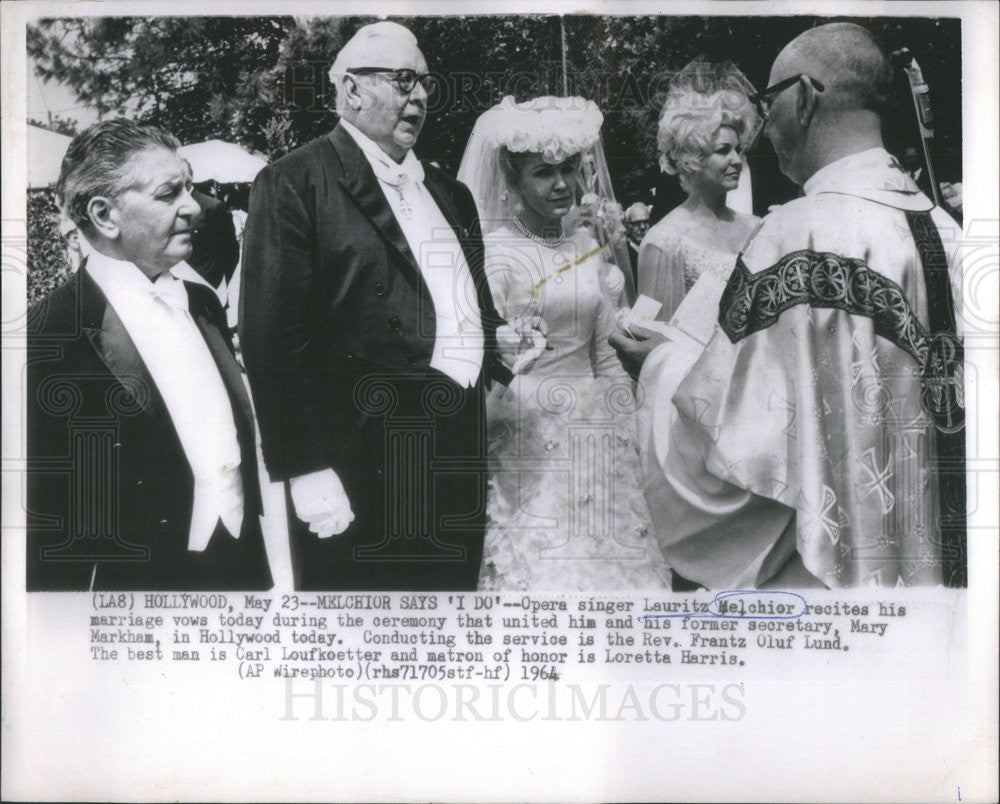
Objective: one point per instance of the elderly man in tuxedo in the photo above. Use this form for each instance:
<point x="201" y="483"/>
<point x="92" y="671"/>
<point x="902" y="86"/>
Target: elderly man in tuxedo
<point x="141" y="460"/>
<point x="369" y="336"/>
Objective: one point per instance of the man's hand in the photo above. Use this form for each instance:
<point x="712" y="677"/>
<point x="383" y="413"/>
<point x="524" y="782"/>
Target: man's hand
<point x="320" y="502"/>
<point x="634" y="351"/>
<point x="952" y="194"/>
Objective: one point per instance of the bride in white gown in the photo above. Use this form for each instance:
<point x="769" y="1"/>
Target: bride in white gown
<point x="565" y="508"/>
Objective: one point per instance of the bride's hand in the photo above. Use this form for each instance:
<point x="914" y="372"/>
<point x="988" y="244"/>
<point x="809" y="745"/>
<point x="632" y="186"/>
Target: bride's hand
<point x="521" y="341"/>
<point x="510" y="340"/>
<point x="527" y="325"/>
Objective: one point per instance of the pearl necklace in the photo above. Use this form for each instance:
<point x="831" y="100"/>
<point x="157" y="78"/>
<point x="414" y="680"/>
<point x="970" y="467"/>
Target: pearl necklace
<point x="544" y="241"/>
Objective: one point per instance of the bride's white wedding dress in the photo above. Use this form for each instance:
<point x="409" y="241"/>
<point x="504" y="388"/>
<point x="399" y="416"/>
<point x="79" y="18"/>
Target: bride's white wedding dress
<point x="565" y="507"/>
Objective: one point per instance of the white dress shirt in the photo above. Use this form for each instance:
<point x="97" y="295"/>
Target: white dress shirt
<point x="458" y="341"/>
<point x="156" y="317"/>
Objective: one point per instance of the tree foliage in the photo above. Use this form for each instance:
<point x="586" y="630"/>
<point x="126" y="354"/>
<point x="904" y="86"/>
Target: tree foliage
<point x="262" y="81"/>
<point x="48" y="265"/>
<point x="58" y="124"/>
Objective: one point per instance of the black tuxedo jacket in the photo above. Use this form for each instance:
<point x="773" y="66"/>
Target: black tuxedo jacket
<point x="110" y="490"/>
<point x="331" y="293"/>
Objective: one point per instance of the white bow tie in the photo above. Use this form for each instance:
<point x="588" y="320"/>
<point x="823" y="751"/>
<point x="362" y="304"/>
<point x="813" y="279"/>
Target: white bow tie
<point x="170" y="290"/>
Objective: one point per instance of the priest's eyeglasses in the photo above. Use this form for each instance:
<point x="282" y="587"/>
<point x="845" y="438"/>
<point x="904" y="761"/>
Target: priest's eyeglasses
<point x="405" y="80"/>
<point x="764" y="99"/>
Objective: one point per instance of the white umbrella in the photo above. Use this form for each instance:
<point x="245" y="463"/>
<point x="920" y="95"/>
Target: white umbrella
<point x="224" y="162"/>
<point x="46" y="150"/>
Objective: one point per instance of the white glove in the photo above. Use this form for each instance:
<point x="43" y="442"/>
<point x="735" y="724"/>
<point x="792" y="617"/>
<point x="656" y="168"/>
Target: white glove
<point x="320" y="502"/>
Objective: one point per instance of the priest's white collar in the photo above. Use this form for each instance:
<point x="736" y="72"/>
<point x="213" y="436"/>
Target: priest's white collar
<point x="873" y="174"/>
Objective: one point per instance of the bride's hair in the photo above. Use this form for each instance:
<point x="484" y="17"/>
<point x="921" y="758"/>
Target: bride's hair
<point x="701" y="99"/>
<point x="512" y="163"/>
<point x="556" y="129"/>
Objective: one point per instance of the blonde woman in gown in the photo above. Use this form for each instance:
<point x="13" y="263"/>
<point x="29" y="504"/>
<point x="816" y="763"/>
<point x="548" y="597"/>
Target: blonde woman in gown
<point x="685" y="260"/>
<point x="707" y="122"/>
<point x="565" y="509"/>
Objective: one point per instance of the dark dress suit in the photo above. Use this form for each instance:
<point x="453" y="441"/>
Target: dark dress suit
<point x="110" y="490"/>
<point x="633" y="261"/>
<point x="337" y="328"/>
<point x="215" y="251"/>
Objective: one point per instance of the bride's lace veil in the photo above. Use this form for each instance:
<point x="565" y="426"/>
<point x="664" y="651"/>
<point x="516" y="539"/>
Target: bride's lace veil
<point x="557" y="128"/>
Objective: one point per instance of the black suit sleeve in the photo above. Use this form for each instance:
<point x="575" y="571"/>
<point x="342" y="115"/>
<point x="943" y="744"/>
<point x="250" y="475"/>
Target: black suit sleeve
<point x="476" y="253"/>
<point x="53" y="391"/>
<point x="277" y="328"/>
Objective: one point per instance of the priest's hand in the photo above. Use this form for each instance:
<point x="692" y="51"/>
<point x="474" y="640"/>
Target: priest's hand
<point x="320" y="502"/>
<point x="633" y="351"/>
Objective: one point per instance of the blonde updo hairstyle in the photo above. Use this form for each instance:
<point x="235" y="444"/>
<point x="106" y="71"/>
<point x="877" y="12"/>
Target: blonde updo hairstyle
<point x="702" y="99"/>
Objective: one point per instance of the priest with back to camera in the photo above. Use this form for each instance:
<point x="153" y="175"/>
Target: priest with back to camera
<point x="815" y="436"/>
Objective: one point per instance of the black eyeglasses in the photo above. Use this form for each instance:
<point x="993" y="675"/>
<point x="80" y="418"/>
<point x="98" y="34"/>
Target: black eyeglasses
<point x="405" y="80"/>
<point x="765" y="98"/>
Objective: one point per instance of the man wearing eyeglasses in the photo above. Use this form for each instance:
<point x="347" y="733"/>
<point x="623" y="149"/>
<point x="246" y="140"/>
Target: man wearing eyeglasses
<point x="818" y="440"/>
<point x="369" y="336"/>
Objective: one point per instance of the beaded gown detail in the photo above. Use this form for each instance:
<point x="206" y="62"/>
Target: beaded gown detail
<point x="679" y="263"/>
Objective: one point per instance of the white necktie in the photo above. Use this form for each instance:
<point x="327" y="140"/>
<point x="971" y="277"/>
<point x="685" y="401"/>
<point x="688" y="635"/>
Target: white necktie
<point x="399" y="176"/>
<point x="170" y="290"/>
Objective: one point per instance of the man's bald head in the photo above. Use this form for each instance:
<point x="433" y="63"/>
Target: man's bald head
<point x="839" y="83"/>
<point x="846" y="59"/>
